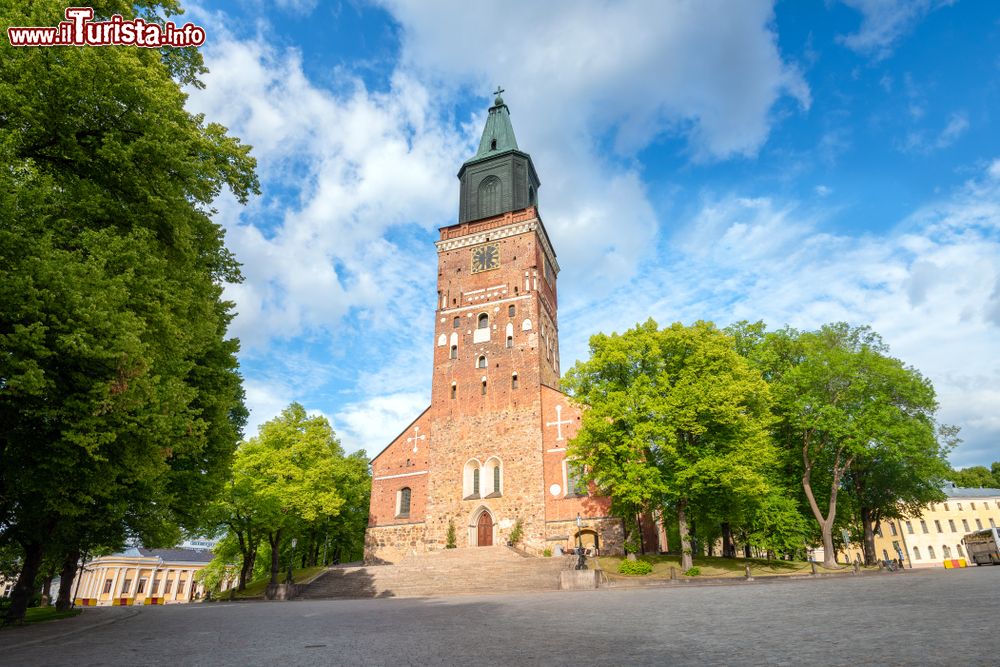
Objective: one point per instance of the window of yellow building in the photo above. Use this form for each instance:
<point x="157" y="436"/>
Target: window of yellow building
<point x="951" y="523"/>
<point x="965" y="525"/>
<point x="909" y="527"/>
<point x="916" y="553"/>
<point x="979" y="524"/>
<point x="892" y="529"/>
<point x="937" y="524"/>
<point x="923" y="526"/>
<point x="930" y="552"/>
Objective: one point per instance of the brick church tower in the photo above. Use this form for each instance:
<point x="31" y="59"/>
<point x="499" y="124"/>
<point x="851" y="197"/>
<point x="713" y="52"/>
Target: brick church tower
<point x="491" y="447"/>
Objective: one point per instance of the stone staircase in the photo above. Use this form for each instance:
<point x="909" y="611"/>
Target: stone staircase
<point x="478" y="570"/>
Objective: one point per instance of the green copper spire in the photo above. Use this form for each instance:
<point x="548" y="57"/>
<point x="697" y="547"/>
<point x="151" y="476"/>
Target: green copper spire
<point x="499" y="177"/>
<point x="498" y="135"/>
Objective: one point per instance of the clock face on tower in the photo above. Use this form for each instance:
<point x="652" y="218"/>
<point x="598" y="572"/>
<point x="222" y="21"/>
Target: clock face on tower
<point x="486" y="257"/>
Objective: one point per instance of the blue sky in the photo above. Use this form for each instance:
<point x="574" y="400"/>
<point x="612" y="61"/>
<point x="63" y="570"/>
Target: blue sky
<point x="798" y="162"/>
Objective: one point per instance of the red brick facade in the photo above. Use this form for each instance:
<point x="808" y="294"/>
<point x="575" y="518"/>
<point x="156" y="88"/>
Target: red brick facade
<point x="495" y="403"/>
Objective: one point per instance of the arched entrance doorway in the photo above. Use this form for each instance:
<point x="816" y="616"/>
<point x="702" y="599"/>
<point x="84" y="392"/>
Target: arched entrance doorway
<point x="484" y="531"/>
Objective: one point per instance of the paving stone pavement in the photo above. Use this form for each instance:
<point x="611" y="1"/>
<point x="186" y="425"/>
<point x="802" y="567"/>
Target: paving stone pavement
<point x="915" y="618"/>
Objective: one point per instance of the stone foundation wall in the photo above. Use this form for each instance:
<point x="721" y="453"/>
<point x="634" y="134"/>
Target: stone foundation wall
<point x="391" y="544"/>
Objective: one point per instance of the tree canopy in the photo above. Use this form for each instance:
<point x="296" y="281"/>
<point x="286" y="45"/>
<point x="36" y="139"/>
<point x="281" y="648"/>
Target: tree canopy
<point x="675" y="416"/>
<point x="293" y="480"/>
<point x="120" y="399"/>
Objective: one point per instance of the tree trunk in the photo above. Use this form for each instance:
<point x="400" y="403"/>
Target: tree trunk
<point x="66" y="577"/>
<point x="274" y="539"/>
<point x="46" y="587"/>
<point x="728" y="546"/>
<point x="869" y="543"/>
<point x="687" y="562"/>
<point x="825" y="523"/>
<point x="746" y="551"/>
<point x="24" y="589"/>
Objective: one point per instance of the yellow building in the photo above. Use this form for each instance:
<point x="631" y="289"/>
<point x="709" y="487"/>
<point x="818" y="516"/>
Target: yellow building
<point x="936" y="536"/>
<point x="142" y="576"/>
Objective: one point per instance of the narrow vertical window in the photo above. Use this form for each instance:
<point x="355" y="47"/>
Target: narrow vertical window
<point x="475" y="479"/>
<point x="916" y="553"/>
<point x="483" y="322"/>
<point x="483" y="392"/>
<point x="481" y="362"/>
<point x="455" y="322"/>
<point x="496" y="479"/>
<point x="930" y="552"/>
<point x="510" y="310"/>
<point x="510" y="342"/>
<point x="513" y="381"/>
<point x="454" y="351"/>
<point x="454" y="389"/>
<point x="404" y="502"/>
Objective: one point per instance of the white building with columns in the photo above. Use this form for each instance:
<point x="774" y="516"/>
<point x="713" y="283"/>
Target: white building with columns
<point x="141" y="576"/>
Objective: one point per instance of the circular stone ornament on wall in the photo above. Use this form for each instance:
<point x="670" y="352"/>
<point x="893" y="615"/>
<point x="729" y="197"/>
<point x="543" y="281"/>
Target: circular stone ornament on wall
<point x="555" y="489"/>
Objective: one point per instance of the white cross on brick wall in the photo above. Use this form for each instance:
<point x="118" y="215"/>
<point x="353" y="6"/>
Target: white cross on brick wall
<point x="416" y="437"/>
<point x="559" y="422"/>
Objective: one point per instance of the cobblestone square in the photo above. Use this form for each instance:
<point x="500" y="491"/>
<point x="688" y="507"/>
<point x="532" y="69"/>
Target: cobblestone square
<point x="925" y="618"/>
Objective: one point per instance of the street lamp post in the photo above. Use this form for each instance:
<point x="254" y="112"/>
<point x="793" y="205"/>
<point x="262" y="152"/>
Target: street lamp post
<point x="581" y="560"/>
<point x="291" y="561"/>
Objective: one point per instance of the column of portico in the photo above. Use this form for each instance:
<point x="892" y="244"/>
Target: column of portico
<point x="114" y="584"/>
<point x="98" y="584"/>
<point x="88" y="592"/>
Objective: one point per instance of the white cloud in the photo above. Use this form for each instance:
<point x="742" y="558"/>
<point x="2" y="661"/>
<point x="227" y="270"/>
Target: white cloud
<point x="372" y="424"/>
<point x="359" y="165"/>
<point x="884" y="22"/>
<point x="931" y="287"/>
<point x="580" y="76"/>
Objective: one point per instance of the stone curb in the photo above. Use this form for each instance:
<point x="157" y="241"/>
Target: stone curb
<point x="637" y="583"/>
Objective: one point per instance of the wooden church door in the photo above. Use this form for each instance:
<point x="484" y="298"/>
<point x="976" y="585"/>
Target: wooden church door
<point x="485" y="530"/>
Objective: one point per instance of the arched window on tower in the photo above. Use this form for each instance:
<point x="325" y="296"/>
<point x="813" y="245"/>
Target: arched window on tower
<point x="454" y="352"/>
<point x="483" y="322"/>
<point x="490" y="192"/>
<point x="454" y="390"/>
<point x="403" y="502"/>
<point x="475" y="482"/>
<point x="513" y="381"/>
<point x="511" y="310"/>
<point x="481" y="362"/>
<point x="456" y="322"/>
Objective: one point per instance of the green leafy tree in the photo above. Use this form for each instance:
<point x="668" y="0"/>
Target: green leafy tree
<point x="290" y="470"/>
<point x="120" y="401"/>
<point x="674" y="416"/>
<point x="977" y="476"/>
<point x="846" y="406"/>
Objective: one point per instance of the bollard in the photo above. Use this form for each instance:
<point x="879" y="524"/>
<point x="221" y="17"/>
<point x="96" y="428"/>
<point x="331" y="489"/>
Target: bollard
<point x="673" y="573"/>
<point x="814" y="568"/>
<point x="857" y="567"/>
<point x="746" y="569"/>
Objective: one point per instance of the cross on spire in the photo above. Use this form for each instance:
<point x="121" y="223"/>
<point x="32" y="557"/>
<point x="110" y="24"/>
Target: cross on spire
<point x="415" y="438"/>
<point x="559" y="422"/>
<point x="497" y="101"/>
<point x="498" y="91"/>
